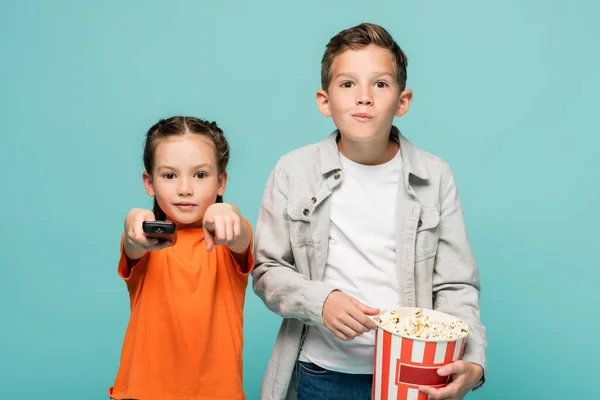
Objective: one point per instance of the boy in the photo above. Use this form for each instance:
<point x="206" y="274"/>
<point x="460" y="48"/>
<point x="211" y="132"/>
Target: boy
<point x="360" y="221"/>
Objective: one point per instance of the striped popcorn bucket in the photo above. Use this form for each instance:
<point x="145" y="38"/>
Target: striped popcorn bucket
<point x="403" y="364"/>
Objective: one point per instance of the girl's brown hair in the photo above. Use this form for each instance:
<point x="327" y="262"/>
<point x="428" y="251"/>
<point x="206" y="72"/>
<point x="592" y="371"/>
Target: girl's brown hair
<point x="180" y="125"/>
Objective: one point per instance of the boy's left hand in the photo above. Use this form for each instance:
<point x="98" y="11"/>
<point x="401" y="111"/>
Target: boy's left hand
<point x="465" y="376"/>
<point x="222" y="224"/>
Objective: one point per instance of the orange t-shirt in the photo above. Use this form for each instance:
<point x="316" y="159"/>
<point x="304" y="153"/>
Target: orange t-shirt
<point x="184" y="338"/>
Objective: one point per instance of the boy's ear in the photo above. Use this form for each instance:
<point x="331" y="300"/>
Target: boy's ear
<point x="323" y="102"/>
<point x="222" y="183"/>
<point x="404" y="103"/>
<point x="148" y="184"/>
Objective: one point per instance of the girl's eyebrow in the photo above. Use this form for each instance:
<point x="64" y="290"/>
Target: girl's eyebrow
<point x="205" y="165"/>
<point x="199" y="166"/>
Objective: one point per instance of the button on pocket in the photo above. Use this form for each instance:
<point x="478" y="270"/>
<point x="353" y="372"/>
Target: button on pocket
<point x="299" y="223"/>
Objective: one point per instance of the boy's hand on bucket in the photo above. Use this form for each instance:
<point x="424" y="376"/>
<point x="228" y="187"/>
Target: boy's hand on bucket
<point x="347" y="317"/>
<point x="465" y="376"/>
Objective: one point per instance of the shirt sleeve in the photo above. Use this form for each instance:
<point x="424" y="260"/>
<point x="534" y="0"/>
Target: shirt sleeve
<point x="132" y="275"/>
<point x="456" y="284"/>
<point x="276" y="280"/>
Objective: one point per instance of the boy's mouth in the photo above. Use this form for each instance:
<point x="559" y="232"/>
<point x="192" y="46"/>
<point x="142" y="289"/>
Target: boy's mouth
<point x="362" y="117"/>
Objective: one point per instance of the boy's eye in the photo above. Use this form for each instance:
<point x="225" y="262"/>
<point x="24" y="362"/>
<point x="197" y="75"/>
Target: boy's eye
<point x="201" y="175"/>
<point x="169" y="175"/>
<point x="346" y="84"/>
<point x="382" y="84"/>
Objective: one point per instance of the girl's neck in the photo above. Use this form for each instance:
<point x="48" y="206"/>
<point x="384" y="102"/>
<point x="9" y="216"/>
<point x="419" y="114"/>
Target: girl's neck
<point x="181" y="226"/>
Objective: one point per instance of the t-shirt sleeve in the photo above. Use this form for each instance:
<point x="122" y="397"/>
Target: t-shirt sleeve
<point x="132" y="275"/>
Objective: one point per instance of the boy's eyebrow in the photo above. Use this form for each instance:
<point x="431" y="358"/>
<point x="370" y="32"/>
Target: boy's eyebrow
<point x="378" y="74"/>
<point x="373" y="75"/>
<point x="342" y="74"/>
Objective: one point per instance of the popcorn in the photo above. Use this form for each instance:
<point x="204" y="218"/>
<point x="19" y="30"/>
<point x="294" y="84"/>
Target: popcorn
<point x="421" y="326"/>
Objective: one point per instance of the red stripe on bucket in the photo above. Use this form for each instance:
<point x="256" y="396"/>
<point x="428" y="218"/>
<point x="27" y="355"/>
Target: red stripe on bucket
<point x="402" y="392"/>
<point x="449" y="352"/>
<point x="375" y="375"/>
<point x="385" y="364"/>
<point x="429" y="357"/>
<point x="406" y="353"/>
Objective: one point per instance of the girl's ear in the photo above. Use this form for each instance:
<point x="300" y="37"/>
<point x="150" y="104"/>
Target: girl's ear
<point x="222" y="183"/>
<point x="147" y="179"/>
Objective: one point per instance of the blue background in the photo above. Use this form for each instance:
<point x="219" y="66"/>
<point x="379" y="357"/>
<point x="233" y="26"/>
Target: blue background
<point x="506" y="92"/>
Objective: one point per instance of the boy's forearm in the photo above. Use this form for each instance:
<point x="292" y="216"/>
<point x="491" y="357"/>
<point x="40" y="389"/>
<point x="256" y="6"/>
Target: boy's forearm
<point x="456" y="285"/>
<point x="461" y="301"/>
<point x="289" y="294"/>
<point x="276" y="280"/>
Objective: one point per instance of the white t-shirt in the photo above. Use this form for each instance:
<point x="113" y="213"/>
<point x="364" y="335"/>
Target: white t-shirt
<point x="361" y="260"/>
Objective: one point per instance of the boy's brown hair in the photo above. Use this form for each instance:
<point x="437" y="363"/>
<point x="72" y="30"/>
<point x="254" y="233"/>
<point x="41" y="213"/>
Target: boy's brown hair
<point x="358" y="37"/>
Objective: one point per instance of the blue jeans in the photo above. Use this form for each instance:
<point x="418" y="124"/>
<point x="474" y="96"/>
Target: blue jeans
<point x="316" y="383"/>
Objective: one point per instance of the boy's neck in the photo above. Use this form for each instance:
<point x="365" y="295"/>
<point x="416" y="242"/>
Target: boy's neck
<point x="377" y="151"/>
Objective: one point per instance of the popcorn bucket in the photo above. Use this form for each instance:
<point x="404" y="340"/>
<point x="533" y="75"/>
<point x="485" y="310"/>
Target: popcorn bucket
<point x="403" y="362"/>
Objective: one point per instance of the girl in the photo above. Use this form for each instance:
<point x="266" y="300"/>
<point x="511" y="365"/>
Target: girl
<point x="184" y="338"/>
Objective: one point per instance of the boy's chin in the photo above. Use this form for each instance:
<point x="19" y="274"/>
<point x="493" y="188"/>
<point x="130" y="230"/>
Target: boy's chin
<point x="360" y="135"/>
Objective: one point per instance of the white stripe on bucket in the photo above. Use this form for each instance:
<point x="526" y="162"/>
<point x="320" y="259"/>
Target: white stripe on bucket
<point x="413" y="394"/>
<point x="440" y="352"/>
<point x="418" y="352"/>
<point x="457" y="349"/>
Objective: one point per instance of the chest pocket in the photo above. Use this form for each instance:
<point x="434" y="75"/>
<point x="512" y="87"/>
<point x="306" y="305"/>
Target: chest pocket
<point x="428" y="234"/>
<point x="300" y="215"/>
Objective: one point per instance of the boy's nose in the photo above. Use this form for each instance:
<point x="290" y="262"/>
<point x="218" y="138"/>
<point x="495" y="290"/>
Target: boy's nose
<point x="364" y="98"/>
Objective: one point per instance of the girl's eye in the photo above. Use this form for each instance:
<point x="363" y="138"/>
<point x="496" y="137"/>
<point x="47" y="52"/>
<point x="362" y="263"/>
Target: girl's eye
<point x="201" y="175"/>
<point x="169" y="176"/>
<point x="346" y="85"/>
<point x="382" y="84"/>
